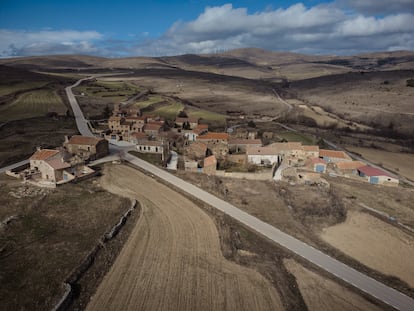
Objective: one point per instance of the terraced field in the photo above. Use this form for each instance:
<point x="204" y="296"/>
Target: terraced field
<point x="7" y="89"/>
<point x="33" y="104"/>
<point x="173" y="260"/>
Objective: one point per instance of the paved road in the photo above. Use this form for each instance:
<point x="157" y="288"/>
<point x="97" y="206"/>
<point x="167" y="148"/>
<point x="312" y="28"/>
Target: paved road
<point x="12" y="166"/>
<point x="337" y="268"/>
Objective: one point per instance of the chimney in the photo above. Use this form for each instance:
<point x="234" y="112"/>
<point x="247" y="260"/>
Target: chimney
<point x="38" y="148"/>
<point x="66" y="139"/>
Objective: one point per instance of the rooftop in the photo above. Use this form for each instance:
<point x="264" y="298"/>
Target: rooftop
<point x="373" y="171"/>
<point x="286" y="146"/>
<point x="84" y="140"/>
<point x="333" y="154"/>
<point x="351" y="165"/>
<point x="238" y="141"/>
<point x="310" y="148"/>
<point x="44" y="154"/>
<point x="252" y="150"/>
<point x="58" y="163"/>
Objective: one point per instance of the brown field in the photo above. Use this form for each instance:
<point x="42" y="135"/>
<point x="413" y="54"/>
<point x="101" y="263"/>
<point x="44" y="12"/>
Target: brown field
<point x="52" y="232"/>
<point x="398" y="162"/>
<point x="173" y="259"/>
<point x="329" y="296"/>
<point x="372" y="98"/>
<point x="374" y="243"/>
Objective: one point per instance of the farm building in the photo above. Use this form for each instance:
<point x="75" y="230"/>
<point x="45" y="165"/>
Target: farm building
<point x="377" y="176"/>
<point x="91" y="148"/>
<point x="333" y="156"/>
<point x="263" y="155"/>
<point x="239" y="145"/>
<point x="49" y="164"/>
<point x="318" y="165"/>
<point x="152" y="146"/>
<point x="152" y="129"/>
<point x="349" y="167"/>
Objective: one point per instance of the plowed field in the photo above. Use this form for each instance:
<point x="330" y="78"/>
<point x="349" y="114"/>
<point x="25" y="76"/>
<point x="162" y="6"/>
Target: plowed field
<point x="173" y="260"/>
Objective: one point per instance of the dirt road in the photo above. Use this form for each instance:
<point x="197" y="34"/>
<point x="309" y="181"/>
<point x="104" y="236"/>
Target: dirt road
<point x="172" y="260"/>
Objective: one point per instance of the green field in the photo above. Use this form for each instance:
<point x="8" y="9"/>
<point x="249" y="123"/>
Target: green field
<point x="33" y="104"/>
<point x="153" y="99"/>
<point x="206" y="115"/>
<point x="169" y="111"/>
<point x="7" y="89"/>
<point x="117" y="91"/>
<point x="297" y="137"/>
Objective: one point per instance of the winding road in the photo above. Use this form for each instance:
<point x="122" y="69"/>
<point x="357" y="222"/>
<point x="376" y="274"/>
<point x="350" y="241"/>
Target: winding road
<point x="357" y="279"/>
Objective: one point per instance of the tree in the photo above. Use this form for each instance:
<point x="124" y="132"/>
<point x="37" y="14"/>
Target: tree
<point x="107" y="112"/>
<point x="182" y="114"/>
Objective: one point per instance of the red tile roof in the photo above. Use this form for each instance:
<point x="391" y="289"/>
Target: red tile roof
<point x="286" y="146"/>
<point x="351" y="165"/>
<point x="310" y="148"/>
<point x="84" y="140"/>
<point x="43" y="154"/>
<point x="333" y="154"/>
<point x="57" y="164"/>
<point x="152" y="127"/>
<point x="373" y="171"/>
<point x="139" y="135"/>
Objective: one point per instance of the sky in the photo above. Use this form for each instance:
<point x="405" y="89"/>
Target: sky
<point x="125" y="28"/>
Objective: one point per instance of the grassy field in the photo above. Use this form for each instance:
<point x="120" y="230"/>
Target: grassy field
<point x="206" y="115"/>
<point x="169" y="111"/>
<point x="7" y="89"/>
<point x="297" y="137"/>
<point x="152" y="99"/>
<point x="52" y="233"/>
<point x="19" y="139"/>
<point x="116" y="90"/>
<point x="33" y="104"/>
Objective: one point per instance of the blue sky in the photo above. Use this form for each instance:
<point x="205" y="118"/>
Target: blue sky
<point x="162" y="27"/>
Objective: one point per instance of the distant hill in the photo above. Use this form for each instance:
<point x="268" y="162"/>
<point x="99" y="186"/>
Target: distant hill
<point x="249" y="63"/>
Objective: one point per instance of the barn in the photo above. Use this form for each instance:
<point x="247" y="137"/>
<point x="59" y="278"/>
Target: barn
<point x="377" y="176"/>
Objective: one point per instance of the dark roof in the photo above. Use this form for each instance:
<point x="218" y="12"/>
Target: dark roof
<point x="43" y="154"/>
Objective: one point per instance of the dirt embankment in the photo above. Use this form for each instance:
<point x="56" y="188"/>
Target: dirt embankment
<point x="173" y="260"/>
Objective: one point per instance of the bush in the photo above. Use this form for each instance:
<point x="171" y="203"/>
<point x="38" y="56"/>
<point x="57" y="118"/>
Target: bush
<point x="410" y="82"/>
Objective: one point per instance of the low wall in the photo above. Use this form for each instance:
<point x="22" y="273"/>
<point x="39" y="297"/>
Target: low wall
<point x="67" y="298"/>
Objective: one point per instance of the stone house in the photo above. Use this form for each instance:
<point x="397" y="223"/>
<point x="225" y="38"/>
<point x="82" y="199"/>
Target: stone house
<point x="263" y="155"/>
<point x="334" y="156"/>
<point x="348" y="168"/>
<point x="191" y="123"/>
<point x="196" y="150"/>
<point x="238" y="145"/>
<point x="152" y="129"/>
<point x="49" y="164"/>
<point x="210" y="165"/>
<point x="311" y="151"/>
<point x="91" y="148"/>
<point x="154" y="147"/>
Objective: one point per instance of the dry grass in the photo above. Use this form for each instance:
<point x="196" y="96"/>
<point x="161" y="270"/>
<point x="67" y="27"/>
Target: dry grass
<point x="322" y="294"/>
<point x="49" y="238"/>
<point x="374" y="243"/>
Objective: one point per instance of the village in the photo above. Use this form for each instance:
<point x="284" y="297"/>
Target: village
<point x="188" y="145"/>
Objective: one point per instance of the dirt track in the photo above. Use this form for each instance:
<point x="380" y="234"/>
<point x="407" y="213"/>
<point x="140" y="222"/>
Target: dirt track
<point x="172" y="260"/>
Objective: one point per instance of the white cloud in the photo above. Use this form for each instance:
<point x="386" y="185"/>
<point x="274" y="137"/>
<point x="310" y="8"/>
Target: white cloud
<point x="23" y="43"/>
<point x="378" y="6"/>
<point x="319" y="29"/>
